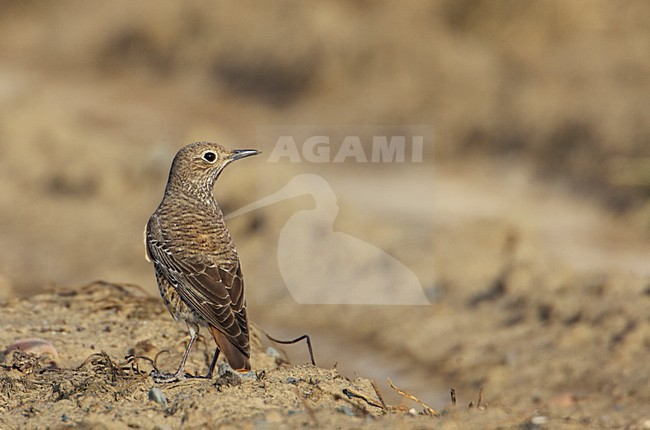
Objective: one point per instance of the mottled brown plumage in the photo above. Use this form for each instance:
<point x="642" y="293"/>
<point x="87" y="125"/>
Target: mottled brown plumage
<point x="194" y="258"/>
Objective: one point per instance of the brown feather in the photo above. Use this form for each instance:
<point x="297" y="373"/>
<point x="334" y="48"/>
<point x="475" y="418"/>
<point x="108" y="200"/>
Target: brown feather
<point x="237" y="359"/>
<point x="205" y="290"/>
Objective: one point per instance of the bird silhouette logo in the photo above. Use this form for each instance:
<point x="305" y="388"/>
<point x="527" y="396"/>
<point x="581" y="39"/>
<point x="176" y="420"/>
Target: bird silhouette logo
<point x="321" y="266"/>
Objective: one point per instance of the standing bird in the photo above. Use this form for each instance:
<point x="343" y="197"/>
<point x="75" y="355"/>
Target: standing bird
<point x="196" y="264"/>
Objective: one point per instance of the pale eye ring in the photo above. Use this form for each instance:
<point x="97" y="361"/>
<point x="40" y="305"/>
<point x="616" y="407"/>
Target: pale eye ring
<point x="209" y="156"/>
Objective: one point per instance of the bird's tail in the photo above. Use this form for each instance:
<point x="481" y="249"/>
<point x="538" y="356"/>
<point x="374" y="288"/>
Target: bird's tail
<point x="236" y="358"/>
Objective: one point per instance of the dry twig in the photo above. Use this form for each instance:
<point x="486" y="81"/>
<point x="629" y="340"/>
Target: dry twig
<point x="427" y="409"/>
<point x="350" y="393"/>
<point x="379" y="396"/>
<point x="479" y="404"/>
<point x="132" y="362"/>
<point x="103" y="361"/>
<point x="292" y="341"/>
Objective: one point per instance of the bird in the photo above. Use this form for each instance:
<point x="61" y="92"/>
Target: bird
<point x="320" y="265"/>
<point x="194" y="258"/>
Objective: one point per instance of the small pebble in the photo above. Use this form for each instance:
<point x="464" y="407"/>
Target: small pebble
<point x="247" y="375"/>
<point x="156" y="395"/>
<point x="224" y="368"/>
<point x="272" y="352"/>
<point x="412" y="411"/>
<point x="539" y="420"/>
<point x="34" y="346"/>
<point x="65" y="418"/>
<point x="345" y="409"/>
<point x="292" y="380"/>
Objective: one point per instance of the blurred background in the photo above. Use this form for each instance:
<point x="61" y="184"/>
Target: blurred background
<point x="540" y="164"/>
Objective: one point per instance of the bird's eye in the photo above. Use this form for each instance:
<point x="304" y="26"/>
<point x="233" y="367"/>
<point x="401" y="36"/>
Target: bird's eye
<point x="209" y="156"/>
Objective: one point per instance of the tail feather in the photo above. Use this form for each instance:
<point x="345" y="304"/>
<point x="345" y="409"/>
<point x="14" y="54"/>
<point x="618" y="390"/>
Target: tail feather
<point x="236" y="358"/>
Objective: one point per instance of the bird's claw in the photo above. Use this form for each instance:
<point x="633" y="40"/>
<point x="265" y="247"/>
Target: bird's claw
<point x="163" y="378"/>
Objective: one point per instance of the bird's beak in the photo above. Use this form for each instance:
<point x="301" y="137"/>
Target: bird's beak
<point x="242" y="153"/>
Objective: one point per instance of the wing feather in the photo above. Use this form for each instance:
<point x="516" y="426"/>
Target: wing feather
<point x="215" y="292"/>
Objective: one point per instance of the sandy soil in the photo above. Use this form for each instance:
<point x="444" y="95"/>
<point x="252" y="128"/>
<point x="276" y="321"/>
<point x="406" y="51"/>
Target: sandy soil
<point x="120" y="331"/>
<point x="527" y="223"/>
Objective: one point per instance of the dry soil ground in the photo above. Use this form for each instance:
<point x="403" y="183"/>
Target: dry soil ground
<point x="527" y="222"/>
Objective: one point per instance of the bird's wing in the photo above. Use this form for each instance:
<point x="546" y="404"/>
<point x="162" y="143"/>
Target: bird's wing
<point x="215" y="292"/>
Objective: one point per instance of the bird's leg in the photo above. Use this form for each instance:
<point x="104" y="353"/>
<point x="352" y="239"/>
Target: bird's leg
<point x="213" y="364"/>
<point x="173" y="377"/>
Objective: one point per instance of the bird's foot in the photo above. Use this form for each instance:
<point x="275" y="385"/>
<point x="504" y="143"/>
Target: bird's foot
<point x="202" y="377"/>
<point x="164" y="378"/>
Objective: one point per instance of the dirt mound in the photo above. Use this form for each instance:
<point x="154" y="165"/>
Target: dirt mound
<point x="107" y="338"/>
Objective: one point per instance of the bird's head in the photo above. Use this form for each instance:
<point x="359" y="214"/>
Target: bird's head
<point x="200" y="163"/>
